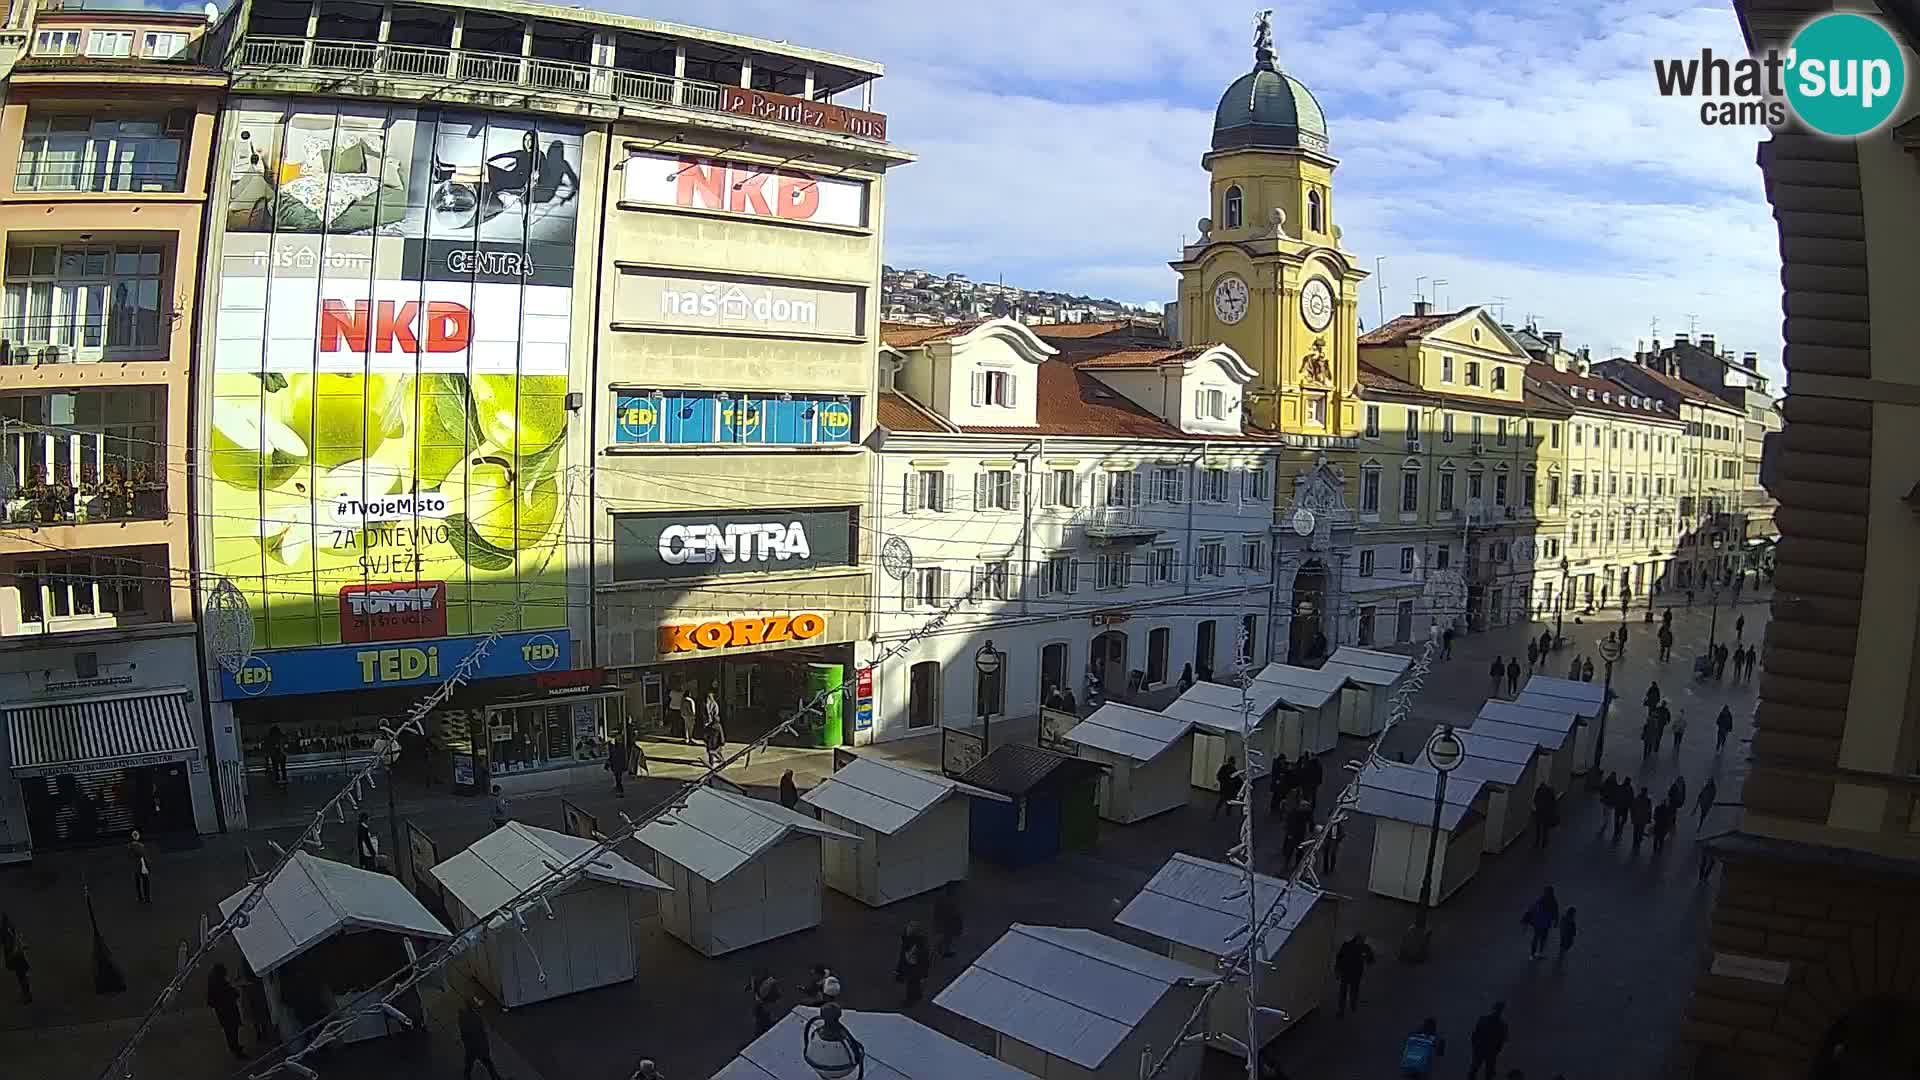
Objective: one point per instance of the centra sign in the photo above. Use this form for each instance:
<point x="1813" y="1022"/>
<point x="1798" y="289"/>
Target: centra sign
<point x="740" y="542"/>
<point x="734" y="633"/>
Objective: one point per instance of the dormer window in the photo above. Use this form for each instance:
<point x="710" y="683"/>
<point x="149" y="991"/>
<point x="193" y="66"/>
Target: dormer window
<point x="993" y="388"/>
<point x="1231" y="208"/>
<point x="1210" y="404"/>
<point x="1316" y="214"/>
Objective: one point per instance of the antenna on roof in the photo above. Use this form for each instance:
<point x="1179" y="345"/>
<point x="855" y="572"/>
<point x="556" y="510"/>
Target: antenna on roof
<point x="1437" y="282"/>
<point x="1693" y="323"/>
<point x="1500" y="310"/>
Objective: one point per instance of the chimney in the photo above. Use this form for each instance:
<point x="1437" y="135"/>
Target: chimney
<point x="1421" y="307"/>
<point x="1752" y="359"/>
<point x="1553" y="339"/>
<point x="1680" y="339"/>
<point x="1706" y="342"/>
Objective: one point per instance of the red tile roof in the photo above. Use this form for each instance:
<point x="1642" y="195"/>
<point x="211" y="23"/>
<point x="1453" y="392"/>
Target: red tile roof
<point x="1374" y="378"/>
<point x="1089" y="329"/>
<point x="898" y="412"/>
<point x="1561" y="386"/>
<point x="1138" y="356"/>
<point x="902" y="335"/>
<point x="1675" y="385"/>
<point x="1398" y="329"/>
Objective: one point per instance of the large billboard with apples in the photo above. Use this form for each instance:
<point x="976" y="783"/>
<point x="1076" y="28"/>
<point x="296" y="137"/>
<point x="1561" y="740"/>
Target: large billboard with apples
<point x="386" y="444"/>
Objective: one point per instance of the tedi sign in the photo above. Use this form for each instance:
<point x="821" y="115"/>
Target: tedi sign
<point x="649" y="547"/>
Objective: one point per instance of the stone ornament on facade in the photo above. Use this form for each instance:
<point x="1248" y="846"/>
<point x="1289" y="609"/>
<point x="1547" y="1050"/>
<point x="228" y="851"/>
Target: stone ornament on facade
<point x="896" y="558"/>
<point x="1314" y="365"/>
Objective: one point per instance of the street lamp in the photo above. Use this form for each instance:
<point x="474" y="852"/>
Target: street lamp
<point x="1560" y="613"/>
<point x="1444" y="753"/>
<point x="829" y="1049"/>
<point x="1609" y="651"/>
<point x="1713" y="591"/>
<point x="986" y="665"/>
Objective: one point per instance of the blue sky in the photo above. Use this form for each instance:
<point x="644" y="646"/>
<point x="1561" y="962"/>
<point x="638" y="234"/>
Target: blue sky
<point x="1514" y="149"/>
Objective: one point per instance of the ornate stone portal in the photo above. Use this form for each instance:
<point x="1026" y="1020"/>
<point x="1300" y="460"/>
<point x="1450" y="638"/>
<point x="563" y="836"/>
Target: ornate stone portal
<point x="1315" y="536"/>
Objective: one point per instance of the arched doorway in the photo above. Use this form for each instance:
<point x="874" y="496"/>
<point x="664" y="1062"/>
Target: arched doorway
<point x="1879" y="1039"/>
<point x="1309" y="606"/>
<point x="1108" y="660"/>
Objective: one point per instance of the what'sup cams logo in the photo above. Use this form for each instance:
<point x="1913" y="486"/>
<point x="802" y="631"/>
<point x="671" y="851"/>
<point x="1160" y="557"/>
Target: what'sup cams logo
<point x="1843" y="75"/>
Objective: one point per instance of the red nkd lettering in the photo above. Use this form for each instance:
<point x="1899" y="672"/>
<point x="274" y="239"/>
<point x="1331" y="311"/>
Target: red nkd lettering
<point x="701" y="185"/>
<point x="799" y="197"/>
<point x="396" y="326"/>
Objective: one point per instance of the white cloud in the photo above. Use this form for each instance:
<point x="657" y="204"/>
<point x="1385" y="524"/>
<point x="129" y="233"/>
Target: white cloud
<point x="1520" y="153"/>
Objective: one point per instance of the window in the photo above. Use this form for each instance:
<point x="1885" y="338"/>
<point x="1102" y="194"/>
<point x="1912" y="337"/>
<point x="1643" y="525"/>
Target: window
<point x="1211" y="559"/>
<point x="1317" y="409"/>
<point x="1253" y="484"/>
<point x="992" y="581"/>
<point x="1159" y="643"/>
<point x="1123" y="488"/>
<point x="1553" y="490"/>
<point x="1253" y="554"/>
<point x="923" y="694"/>
<point x="1446" y="369"/>
<point x="1366" y="562"/>
<point x="1446" y="488"/>
<point x="1613" y="483"/>
<point x="1406" y="560"/>
<point x="1060" y="575"/>
<point x="57" y="43"/>
<point x="80" y="587"/>
<point x="111" y="44"/>
<point x="1446" y="427"/>
<point x="1613" y="439"/>
<point x="1413" y="429"/>
<point x="104" y="151"/>
<point x="1403" y="619"/>
<point x="1442" y="556"/>
<point x="995" y="489"/>
<point x="1580" y="484"/>
<point x="1169" y="485"/>
<point x="1370" y="489"/>
<point x="1497" y="551"/>
<point x="1473" y="373"/>
<point x="1550" y="548"/>
<point x="1553" y="435"/>
<point x="1231" y="208"/>
<point x="1161" y="563"/>
<point x="1373" y="421"/>
<point x="1500" y="432"/>
<point x="1249" y="634"/>
<point x="86" y="301"/>
<point x="1203" y="649"/>
<point x="83" y="454"/>
<point x="1063" y="488"/>
<point x="1364" y="631"/>
<point x="1409" y="491"/>
<point x="993" y="388"/>
<point x="1527" y="492"/>
<point x="1576" y="435"/>
<point x="1474" y="485"/>
<point x="1479" y="439"/>
<point x="1215" y="485"/>
<point x="1115" y="570"/>
<point x="1210" y="404"/>
<point x="1316" y="215"/>
<point x="1499" y="377"/>
<point x="928" y="587"/>
<point x="160" y="46"/>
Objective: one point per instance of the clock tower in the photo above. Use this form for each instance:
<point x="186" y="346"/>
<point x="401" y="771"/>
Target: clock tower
<point x="1268" y="276"/>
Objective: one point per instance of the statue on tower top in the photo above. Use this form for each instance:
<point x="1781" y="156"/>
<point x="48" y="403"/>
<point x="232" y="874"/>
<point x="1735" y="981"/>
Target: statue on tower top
<point x="1263" y="38"/>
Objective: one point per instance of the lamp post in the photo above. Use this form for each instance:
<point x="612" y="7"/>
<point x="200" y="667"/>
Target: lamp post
<point x="1444" y="753"/>
<point x="986" y="665"/>
<point x="829" y="1049"/>
<point x="1609" y="651"/>
<point x="1560" y="613"/>
<point x="1713" y="592"/>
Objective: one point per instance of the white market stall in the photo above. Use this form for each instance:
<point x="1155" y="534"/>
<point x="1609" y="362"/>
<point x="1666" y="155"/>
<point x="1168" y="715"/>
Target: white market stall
<point x="1510" y="770"/>
<point x="1074" y="1004"/>
<point x="1582" y="699"/>
<point x="325" y="932"/>
<point x="1400" y="800"/>
<point x="1314" y="698"/>
<point x="896" y="1048"/>
<point x="1552" y="728"/>
<point x="1373" y="677"/>
<point x="586" y="941"/>
<point x="1219" y="724"/>
<point x="1148" y="760"/>
<point x="742" y="870"/>
<point x="911" y="828"/>
<point x="1187" y="905"/>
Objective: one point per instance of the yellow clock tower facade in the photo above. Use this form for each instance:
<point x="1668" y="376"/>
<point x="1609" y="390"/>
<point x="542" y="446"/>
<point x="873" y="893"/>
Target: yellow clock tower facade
<point x="1268" y="276"/>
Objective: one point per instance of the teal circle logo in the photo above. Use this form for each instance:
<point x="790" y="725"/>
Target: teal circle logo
<point x="1845" y="74"/>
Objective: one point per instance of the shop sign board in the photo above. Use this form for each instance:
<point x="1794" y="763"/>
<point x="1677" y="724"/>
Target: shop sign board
<point x="645" y="298"/>
<point x="1054" y="725"/>
<point x="863" y="700"/>
<point x="734" y="633"/>
<point x="331" y="668"/>
<point x="735" y="187"/>
<point x="395" y="612"/>
<point x="695" y="543"/>
<point x="731" y="418"/>
<point x="577" y="822"/>
<point x="799" y="112"/>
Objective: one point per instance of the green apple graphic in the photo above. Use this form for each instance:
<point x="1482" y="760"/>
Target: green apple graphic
<point x="500" y="511"/>
<point x="446" y="427"/>
<point x="345" y="417"/>
<point x="250" y="450"/>
<point x="514" y="414"/>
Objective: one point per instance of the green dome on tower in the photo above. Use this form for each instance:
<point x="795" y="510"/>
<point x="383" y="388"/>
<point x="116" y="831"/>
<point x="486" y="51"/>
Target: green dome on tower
<point x="1268" y="109"/>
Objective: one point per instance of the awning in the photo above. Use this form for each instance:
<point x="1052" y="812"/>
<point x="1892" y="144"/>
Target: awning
<point x="115" y="731"/>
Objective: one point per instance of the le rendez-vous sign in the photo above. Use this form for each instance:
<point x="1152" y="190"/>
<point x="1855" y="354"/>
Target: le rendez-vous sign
<point x="799" y="112"/>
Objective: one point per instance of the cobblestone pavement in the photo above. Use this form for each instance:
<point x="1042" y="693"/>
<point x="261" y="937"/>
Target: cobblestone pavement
<point x="1609" y="1012"/>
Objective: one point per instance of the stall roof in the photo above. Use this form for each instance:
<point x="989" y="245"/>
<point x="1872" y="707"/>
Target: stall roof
<point x="1139" y="734"/>
<point x="311" y="899"/>
<point x="1583" y="698"/>
<point x="1369" y="667"/>
<point x="1074" y="994"/>
<point x="1410" y="809"/>
<point x="898" y="1048"/>
<point x="1217" y="708"/>
<point x="886" y="797"/>
<point x="511" y="859"/>
<point x="1553" y="716"/>
<point x="1416" y="780"/>
<point x="1405" y="793"/>
<point x="1302" y="688"/>
<point x="718" y="832"/>
<point x="1544" y="738"/>
<point x="1191" y="902"/>
<point x="1016" y="769"/>
<point x="1483" y="769"/>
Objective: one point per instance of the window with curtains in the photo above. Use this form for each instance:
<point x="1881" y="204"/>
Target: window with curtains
<point x="80" y="587"/>
<point x="86" y="302"/>
<point x="83" y="456"/>
<point x="105" y="150"/>
<point x="1446" y="487"/>
<point x="1409" y="491"/>
<point x="1370" y="489"/>
<point x="1214" y="485"/>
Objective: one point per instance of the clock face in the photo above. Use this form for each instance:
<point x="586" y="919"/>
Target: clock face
<point x="1316" y="304"/>
<point x="1230" y="299"/>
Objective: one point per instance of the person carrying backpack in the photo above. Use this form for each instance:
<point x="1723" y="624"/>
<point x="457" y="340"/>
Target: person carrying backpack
<point x="1422" y="1049"/>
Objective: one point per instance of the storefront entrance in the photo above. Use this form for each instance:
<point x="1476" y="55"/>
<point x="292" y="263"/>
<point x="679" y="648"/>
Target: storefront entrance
<point x="755" y="692"/>
<point x="90" y="807"/>
<point x="1108" y="661"/>
<point x="1305" y="638"/>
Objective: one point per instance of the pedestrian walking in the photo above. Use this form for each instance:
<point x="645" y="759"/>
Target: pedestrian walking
<point x="475" y="1048"/>
<point x="1573" y="669"/>
<point x="1228" y="777"/>
<point x="13" y="951"/>
<point x="1703" y="802"/>
<point x="713" y="706"/>
<point x="502" y="807"/>
<point x="1586" y="670"/>
<point x="689" y="713"/>
<point x="1622" y="807"/>
<point x="647" y="1070"/>
<point x="1679" y="729"/>
<point x="1308" y="777"/>
<point x="1488" y="1039"/>
<point x="1649" y="739"/>
<point x="1689" y="597"/>
<point x="1279" y="786"/>
<point x="1540" y="918"/>
<point x="1720" y="664"/>
<point x="1299" y="826"/>
<point x="1533" y="654"/>
<point x="1350" y="964"/>
<point x="1651" y="699"/>
<point x="1641" y="815"/>
<point x="822" y="986"/>
<point x="1186" y="678"/>
<point x="1546" y="814"/>
<point x="789" y="791"/>
<point x="1753" y="657"/>
<point x="1666" y="643"/>
<point x="1609" y="791"/>
<point x="1723" y="725"/>
<point x="1422" y="1049"/>
<point x="1739" y="628"/>
<point x="1330" y="847"/>
<point x="224" y="1000"/>
<point x="716" y="737"/>
<point x="1498" y="671"/>
<point x="617" y="765"/>
<point x="1569" y="928"/>
<point x="948" y="921"/>
<point x="914" y="960"/>
<point x="1546" y="646"/>
<point x="1662" y="826"/>
<point x="368" y="847"/>
<point x="765" y="991"/>
<point x="1677" y="793"/>
<point x="1446" y="643"/>
<point x="1513" y="676"/>
<point x="276" y="745"/>
<point x="142" y="872"/>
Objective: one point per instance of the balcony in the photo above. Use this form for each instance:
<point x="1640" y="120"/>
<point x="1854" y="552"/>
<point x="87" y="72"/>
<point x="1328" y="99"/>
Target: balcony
<point x="117" y="498"/>
<point x="611" y="85"/>
<point x="1118" y="524"/>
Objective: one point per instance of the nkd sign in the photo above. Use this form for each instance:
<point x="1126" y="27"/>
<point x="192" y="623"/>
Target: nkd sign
<point x="694" y="543"/>
<point x="737" y="188"/>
